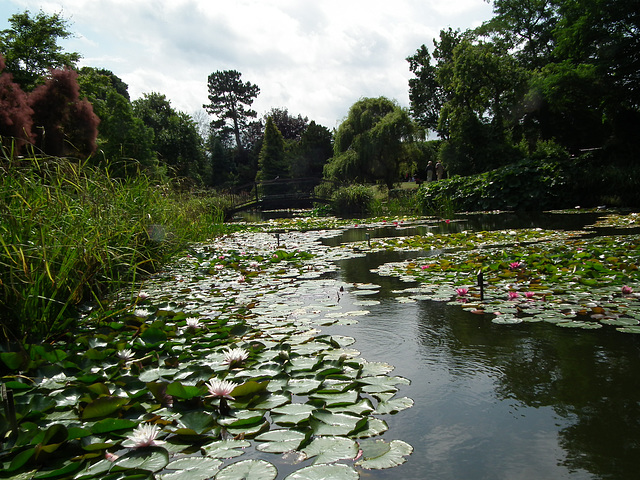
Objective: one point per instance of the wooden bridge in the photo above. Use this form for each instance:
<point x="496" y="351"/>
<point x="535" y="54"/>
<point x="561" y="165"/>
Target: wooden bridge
<point x="278" y="194"/>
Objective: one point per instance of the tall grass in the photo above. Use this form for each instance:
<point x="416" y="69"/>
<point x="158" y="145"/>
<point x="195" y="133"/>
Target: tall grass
<point x="70" y="234"/>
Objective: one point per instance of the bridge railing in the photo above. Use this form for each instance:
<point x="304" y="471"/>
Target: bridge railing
<point x="268" y="191"/>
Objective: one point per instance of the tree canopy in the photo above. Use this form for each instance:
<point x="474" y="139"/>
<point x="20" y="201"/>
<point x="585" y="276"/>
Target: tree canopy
<point x="538" y="71"/>
<point x="176" y="139"/>
<point x="231" y="99"/>
<point x="30" y="47"/>
<point x="63" y="123"/>
<point x="371" y="142"/>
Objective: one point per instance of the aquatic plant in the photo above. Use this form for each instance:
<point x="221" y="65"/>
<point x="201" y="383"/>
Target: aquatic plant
<point x="577" y="280"/>
<point x="79" y="414"/>
<point x="70" y="234"/>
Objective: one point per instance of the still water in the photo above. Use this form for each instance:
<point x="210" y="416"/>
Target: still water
<point x="526" y="401"/>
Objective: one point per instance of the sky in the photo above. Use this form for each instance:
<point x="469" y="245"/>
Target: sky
<point x="314" y="58"/>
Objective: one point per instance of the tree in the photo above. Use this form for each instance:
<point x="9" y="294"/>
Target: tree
<point x="313" y="151"/>
<point x="15" y="113"/>
<point x="31" y="49"/>
<point x="124" y="141"/>
<point x="370" y="144"/>
<point x="176" y="138"/>
<point x="221" y="161"/>
<point x="427" y="92"/>
<point x="230" y="99"/>
<point x="63" y="123"/>
<point x="289" y="126"/>
<point x="271" y="162"/>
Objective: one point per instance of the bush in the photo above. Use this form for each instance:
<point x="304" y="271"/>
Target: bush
<point x="352" y="200"/>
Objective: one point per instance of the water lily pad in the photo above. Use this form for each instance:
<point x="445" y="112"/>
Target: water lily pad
<point x="629" y="329"/>
<point x="292" y="414"/>
<point x="334" y="399"/>
<point x="324" y="422"/>
<point x="192" y="468"/>
<point x="152" y="459"/>
<point x="506" y="320"/>
<point x="280" y="441"/>
<point x="226" y="448"/>
<point x="379" y="454"/>
<point x="394" y="406"/>
<point x="323" y="472"/>
<point x="103" y="406"/>
<point x="248" y="470"/>
<point x="303" y="386"/>
<point x="331" y="449"/>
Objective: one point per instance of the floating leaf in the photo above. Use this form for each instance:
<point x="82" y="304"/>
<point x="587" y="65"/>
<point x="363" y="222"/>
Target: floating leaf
<point x="323" y="472"/>
<point x="324" y="422"/>
<point x="250" y="388"/>
<point x="152" y="459"/>
<point x="195" y="423"/>
<point x="111" y="425"/>
<point x="185" y="392"/>
<point x="103" y="406"/>
<point x="225" y="448"/>
<point x="248" y="470"/>
<point x="280" y="441"/>
<point x="292" y="414"/>
<point x="379" y="454"/>
<point x="331" y="449"/>
<point x="192" y="468"/>
<point x="394" y="406"/>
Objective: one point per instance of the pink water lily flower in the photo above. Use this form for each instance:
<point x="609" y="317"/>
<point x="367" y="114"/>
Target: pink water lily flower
<point x="529" y="294"/>
<point x="513" y="295"/>
<point x="514" y="265"/>
<point x="462" y="291"/>
<point x="626" y="290"/>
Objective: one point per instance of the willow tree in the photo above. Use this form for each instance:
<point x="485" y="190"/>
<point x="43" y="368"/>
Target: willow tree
<point x="371" y="143"/>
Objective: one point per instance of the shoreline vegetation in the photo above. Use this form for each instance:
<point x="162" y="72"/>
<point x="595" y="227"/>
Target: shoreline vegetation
<point x="102" y="377"/>
<point x="71" y="234"/>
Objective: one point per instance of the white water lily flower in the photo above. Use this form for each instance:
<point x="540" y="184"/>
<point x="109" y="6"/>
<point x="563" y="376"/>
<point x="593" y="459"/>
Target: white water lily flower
<point x="193" y="322"/>
<point x="125" y="354"/>
<point x="141" y="312"/>
<point x="144" y="435"/>
<point x="235" y="356"/>
<point x="221" y="388"/>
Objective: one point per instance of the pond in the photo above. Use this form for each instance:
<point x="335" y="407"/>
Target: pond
<point x="481" y="346"/>
<point x="524" y="401"/>
<point x="521" y="401"/>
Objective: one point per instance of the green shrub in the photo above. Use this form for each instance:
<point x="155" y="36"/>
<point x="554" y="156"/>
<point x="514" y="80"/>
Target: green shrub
<point x="352" y="200"/>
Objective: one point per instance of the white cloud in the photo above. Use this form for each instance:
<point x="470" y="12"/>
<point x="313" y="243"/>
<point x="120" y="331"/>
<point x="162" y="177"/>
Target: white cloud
<point x="314" y="58"/>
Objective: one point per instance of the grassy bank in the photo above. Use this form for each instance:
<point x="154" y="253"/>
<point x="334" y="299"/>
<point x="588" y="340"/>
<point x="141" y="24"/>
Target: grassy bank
<point x="70" y="234"/>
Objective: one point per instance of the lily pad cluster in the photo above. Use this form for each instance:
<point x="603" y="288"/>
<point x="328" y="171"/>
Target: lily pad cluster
<point x="219" y="355"/>
<point x="571" y="279"/>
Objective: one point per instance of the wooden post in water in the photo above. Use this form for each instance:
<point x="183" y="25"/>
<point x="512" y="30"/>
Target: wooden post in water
<point x="481" y="284"/>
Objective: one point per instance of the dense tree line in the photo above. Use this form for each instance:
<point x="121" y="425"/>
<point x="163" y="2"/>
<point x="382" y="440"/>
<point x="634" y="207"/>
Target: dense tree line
<point x="49" y="105"/>
<point x="541" y="75"/>
<point x="539" y="71"/>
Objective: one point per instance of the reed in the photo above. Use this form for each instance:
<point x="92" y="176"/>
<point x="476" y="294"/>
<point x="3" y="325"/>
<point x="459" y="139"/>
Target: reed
<point x="70" y="234"/>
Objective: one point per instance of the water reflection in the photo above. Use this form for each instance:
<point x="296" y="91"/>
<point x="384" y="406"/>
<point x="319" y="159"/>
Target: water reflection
<point x="525" y="401"/>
